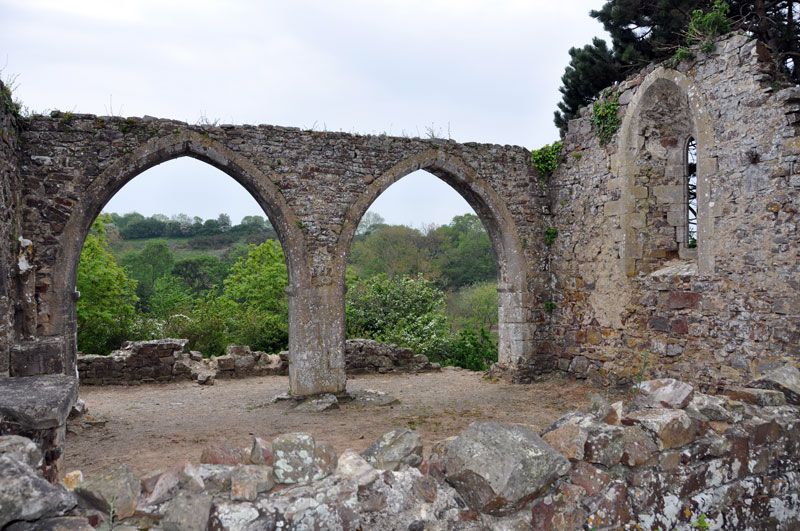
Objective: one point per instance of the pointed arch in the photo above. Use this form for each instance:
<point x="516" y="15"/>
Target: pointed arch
<point x="515" y="330"/>
<point x="665" y="112"/>
<point x="99" y="191"/>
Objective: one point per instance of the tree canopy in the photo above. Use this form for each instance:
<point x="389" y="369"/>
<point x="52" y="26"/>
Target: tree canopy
<point x="643" y="31"/>
<point x="106" y="307"/>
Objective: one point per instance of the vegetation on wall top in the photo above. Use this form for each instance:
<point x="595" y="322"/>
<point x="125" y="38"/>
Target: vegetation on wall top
<point x="546" y="159"/>
<point x="644" y="32"/>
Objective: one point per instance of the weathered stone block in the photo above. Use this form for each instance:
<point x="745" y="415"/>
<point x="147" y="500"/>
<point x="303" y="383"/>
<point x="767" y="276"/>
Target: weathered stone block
<point x="119" y="489"/>
<point x="785" y="379"/>
<point x="498" y="468"/>
<point x="37" y="357"/>
<point x="26" y="496"/>
<point x="298" y="458"/>
<point x="665" y="392"/>
<point x="397" y="448"/>
<point x="752" y="395"/>
<point x="672" y="428"/>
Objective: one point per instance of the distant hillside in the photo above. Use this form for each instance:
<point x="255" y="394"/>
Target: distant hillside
<point x="186" y="237"/>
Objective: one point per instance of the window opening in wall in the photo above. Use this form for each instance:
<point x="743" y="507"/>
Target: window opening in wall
<point x="691" y="192"/>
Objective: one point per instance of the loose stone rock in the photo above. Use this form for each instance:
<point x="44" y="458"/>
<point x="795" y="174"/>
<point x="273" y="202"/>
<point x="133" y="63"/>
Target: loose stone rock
<point x="164" y="488"/>
<point x="72" y="479"/>
<point x="498" y="468"/>
<point x="706" y="407"/>
<point x="638" y="446"/>
<point x="355" y="468"/>
<point x="22" y="449"/>
<point x="223" y="454"/>
<point x="26" y="496"/>
<point x="673" y="428"/>
<point x="261" y="452"/>
<point x="229" y="516"/>
<point x="318" y="404"/>
<point x="395" y="449"/>
<point x="753" y="395"/>
<point x="665" y="392"/>
<point x="568" y="435"/>
<point x="370" y="397"/>
<point x="119" y="489"/>
<point x="187" y="512"/>
<point x="785" y="379"/>
<point x="247" y="481"/>
<point x="604" y="444"/>
<point x="299" y="459"/>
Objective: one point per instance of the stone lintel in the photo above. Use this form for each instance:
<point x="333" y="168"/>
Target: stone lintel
<point x="38" y="402"/>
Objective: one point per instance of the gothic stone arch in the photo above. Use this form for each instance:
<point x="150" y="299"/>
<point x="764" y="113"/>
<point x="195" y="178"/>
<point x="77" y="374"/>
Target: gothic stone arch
<point x="514" y="328"/>
<point x="314" y="186"/>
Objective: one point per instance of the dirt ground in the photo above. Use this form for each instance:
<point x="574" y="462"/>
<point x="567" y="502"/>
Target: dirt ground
<point x="154" y="427"/>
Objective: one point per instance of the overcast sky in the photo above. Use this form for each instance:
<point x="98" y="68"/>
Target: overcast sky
<point x="482" y="70"/>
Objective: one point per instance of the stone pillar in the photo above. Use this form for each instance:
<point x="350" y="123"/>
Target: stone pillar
<point x="515" y="331"/>
<point x="316" y="338"/>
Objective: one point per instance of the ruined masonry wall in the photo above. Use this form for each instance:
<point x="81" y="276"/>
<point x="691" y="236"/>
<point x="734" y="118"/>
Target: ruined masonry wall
<point x="734" y="309"/>
<point x="9" y="188"/>
<point x="314" y="186"/>
<point x="167" y="360"/>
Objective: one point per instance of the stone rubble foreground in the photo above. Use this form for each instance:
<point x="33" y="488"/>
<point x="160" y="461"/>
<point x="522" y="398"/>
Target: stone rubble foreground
<point x="663" y="460"/>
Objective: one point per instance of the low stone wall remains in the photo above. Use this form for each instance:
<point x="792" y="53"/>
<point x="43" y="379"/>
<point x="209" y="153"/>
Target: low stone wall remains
<point x="669" y="458"/>
<point x="167" y="360"/>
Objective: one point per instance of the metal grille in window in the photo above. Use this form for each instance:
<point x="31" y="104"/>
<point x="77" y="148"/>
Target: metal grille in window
<point x="691" y="193"/>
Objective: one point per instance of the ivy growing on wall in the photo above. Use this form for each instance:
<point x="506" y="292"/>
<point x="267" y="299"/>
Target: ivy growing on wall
<point x="546" y="159"/>
<point x="605" y="117"/>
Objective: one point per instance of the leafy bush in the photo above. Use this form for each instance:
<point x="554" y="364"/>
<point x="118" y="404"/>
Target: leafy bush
<point x="170" y="296"/>
<point x="257" y="285"/>
<point x="406" y="311"/>
<point x="546" y="159"/>
<point x="605" y="117"/>
<point x="471" y="350"/>
<point x="208" y="325"/>
<point x="474" y="306"/>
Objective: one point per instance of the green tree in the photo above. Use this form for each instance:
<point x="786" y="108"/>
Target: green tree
<point x="154" y="261"/>
<point x="474" y="306"/>
<point x="257" y="284"/>
<point x="643" y="31"/>
<point x="201" y="273"/>
<point x="466" y="255"/>
<point x="392" y="250"/>
<point x="590" y="69"/>
<point x="170" y="296"/>
<point x="208" y="326"/>
<point x="369" y="222"/>
<point x="106" y="307"/>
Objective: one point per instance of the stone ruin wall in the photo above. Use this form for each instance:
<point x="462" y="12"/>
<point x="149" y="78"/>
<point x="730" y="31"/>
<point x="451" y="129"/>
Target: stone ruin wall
<point x="9" y="188"/>
<point x="168" y="360"/>
<point x="314" y="186"/>
<point x="624" y="298"/>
